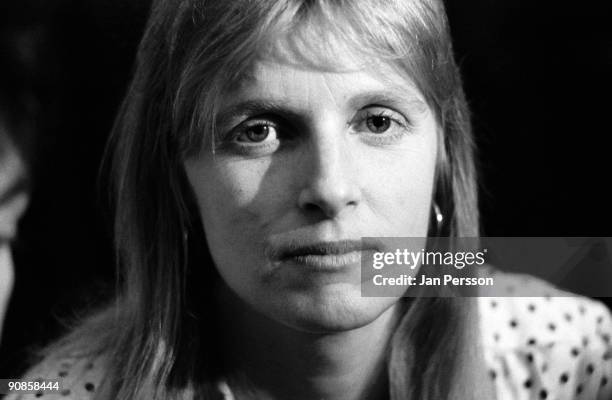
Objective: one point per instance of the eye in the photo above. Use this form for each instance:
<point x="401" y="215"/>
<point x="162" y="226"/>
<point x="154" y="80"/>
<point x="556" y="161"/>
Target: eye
<point x="256" y="133"/>
<point x="258" y="136"/>
<point x="380" y="120"/>
<point x="378" y="123"/>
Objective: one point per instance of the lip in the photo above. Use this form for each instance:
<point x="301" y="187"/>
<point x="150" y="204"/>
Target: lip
<point x="324" y="255"/>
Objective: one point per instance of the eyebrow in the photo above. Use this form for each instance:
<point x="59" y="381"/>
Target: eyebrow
<point x="254" y="107"/>
<point x="402" y="99"/>
<point x="394" y="98"/>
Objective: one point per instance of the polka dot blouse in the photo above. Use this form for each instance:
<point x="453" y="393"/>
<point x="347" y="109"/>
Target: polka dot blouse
<point x="79" y="377"/>
<point x="556" y="346"/>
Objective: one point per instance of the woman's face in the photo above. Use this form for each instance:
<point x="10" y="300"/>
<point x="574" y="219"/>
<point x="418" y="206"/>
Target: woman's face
<point x="308" y="163"/>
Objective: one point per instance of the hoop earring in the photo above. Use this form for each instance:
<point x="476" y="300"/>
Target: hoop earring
<point x="439" y="218"/>
<point x="185" y="247"/>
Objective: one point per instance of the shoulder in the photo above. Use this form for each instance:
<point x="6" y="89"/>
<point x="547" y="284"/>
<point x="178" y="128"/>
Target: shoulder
<point x="554" y="345"/>
<point x="79" y="377"/>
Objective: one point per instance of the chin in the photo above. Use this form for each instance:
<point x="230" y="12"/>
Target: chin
<point x="332" y="309"/>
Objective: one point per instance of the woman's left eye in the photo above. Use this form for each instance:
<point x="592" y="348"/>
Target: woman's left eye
<point x="381" y="124"/>
<point x="378" y="123"/>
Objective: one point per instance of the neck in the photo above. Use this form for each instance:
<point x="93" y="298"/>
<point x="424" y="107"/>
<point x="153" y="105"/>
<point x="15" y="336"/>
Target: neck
<point x="279" y="362"/>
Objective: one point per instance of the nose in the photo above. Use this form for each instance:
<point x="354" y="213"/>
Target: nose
<point x="331" y="181"/>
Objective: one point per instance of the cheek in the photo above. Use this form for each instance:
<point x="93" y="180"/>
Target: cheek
<point x="400" y="187"/>
<point x="225" y="191"/>
<point x="236" y="201"/>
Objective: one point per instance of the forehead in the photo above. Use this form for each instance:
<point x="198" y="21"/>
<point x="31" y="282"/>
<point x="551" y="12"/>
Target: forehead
<point x="299" y="84"/>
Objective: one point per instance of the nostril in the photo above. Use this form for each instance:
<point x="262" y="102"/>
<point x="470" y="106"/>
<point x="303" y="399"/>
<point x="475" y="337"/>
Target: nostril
<point x="329" y="200"/>
<point x="310" y="207"/>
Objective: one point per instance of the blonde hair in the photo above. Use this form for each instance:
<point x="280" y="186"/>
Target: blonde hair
<point x="156" y="332"/>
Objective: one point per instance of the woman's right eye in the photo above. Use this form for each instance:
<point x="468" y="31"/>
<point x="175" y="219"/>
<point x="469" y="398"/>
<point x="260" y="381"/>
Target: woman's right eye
<point x="253" y="138"/>
<point x="256" y="133"/>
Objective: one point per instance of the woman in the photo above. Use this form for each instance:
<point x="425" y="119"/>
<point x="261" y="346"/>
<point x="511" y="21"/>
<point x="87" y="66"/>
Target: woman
<point x="258" y="143"/>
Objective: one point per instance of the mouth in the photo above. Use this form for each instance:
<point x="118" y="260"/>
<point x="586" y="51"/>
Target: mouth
<point x="325" y="256"/>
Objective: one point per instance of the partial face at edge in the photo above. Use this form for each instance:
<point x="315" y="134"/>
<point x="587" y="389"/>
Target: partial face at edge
<point x="307" y="161"/>
<point x="13" y="202"/>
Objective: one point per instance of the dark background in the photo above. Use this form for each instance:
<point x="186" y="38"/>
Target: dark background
<point x="537" y="76"/>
